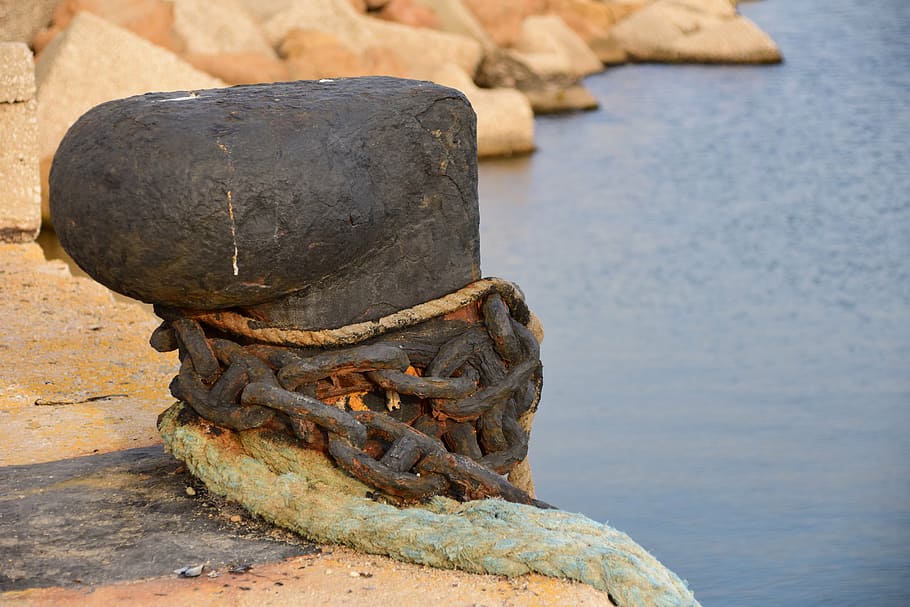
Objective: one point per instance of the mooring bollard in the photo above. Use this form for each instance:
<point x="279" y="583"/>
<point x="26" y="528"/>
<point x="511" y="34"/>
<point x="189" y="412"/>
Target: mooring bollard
<point x="313" y="250"/>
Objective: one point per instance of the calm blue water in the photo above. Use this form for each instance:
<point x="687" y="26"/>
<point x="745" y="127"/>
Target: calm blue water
<point x="721" y="258"/>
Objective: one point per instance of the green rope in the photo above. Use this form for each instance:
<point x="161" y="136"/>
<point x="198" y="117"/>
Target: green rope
<point x="301" y="490"/>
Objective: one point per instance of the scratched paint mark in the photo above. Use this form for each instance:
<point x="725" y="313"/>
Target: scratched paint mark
<point x="233" y="231"/>
<point x="230" y="199"/>
<point x="192" y="95"/>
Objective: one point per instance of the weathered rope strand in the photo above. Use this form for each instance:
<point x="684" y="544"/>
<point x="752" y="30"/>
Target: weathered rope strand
<point x="239" y="324"/>
<point x="487" y="536"/>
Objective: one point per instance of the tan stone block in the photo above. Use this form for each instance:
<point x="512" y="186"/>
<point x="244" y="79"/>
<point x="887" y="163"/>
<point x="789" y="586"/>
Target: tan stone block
<point x="502" y="19"/>
<point x="241" y="68"/>
<point x="22" y="19"/>
<point x="736" y="40"/>
<point x="211" y="27"/>
<point x="550" y="45"/>
<point x="383" y="61"/>
<point x="698" y="31"/>
<point x="420" y="50"/>
<point x="556" y="100"/>
<point x="20" y="194"/>
<point x="409" y="12"/>
<point x="263" y="10"/>
<point x="149" y="19"/>
<point x="505" y="120"/>
<point x="592" y="19"/>
<point x="17" y="72"/>
<point x="648" y="34"/>
<point x="312" y="55"/>
<point x="718" y="8"/>
<point x="94" y="61"/>
<point x="608" y="50"/>
<point x="454" y="17"/>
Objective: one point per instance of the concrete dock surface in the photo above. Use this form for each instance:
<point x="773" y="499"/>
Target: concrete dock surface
<point x="94" y="512"/>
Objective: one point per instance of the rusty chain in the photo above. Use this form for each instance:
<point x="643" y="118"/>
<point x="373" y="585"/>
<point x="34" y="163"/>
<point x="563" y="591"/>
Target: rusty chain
<point x="431" y="407"/>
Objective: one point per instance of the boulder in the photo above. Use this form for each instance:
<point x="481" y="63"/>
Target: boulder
<point x="240" y="68"/>
<point x="453" y="17"/>
<point x="312" y="54"/>
<point x="718" y="8"/>
<point x="736" y="40"/>
<point x="549" y="46"/>
<point x="408" y="12"/>
<point x="317" y="203"/>
<point x="208" y="27"/>
<point x="608" y="50"/>
<point x="557" y="100"/>
<point x="694" y="31"/>
<point x="263" y="10"/>
<point x="79" y="69"/>
<point x="149" y="19"/>
<point x="383" y="61"/>
<point x="20" y="193"/>
<point x="502" y="19"/>
<point x="20" y="21"/>
<point x="546" y="64"/>
<point x="224" y="40"/>
<point x="505" y="120"/>
<point x="592" y="19"/>
<point x="420" y="50"/>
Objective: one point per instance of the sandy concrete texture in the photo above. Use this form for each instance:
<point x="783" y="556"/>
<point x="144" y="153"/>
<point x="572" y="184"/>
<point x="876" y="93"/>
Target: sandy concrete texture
<point x="78" y="375"/>
<point x="336" y="576"/>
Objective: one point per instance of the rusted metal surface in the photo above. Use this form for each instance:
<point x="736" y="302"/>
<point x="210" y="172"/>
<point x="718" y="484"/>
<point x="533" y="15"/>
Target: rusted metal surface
<point x="432" y="409"/>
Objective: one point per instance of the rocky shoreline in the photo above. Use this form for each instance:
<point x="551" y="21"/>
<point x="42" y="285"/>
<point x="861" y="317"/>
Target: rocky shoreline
<point x="513" y="58"/>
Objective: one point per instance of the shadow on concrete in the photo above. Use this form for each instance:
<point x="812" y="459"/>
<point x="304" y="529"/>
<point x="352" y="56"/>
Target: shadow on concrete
<point x="122" y="516"/>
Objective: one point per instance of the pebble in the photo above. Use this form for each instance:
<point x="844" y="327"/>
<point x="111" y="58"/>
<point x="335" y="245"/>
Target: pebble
<point x="194" y="571"/>
<point x="190" y="491"/>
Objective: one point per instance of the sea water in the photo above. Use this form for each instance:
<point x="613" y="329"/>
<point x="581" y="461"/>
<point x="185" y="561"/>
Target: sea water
<point x="721" y="260"/>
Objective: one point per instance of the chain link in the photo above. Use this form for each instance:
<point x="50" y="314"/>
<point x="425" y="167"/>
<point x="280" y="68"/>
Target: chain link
<point x="434" y="408"/>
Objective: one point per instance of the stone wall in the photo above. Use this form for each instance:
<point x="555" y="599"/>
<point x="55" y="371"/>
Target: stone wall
<point x="20" y="193"/>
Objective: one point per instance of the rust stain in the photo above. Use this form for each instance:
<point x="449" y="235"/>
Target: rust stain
<point x="469" y="313"/>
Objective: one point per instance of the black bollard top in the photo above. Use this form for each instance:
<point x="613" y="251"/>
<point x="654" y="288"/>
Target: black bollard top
<point x="318" y="203"/>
